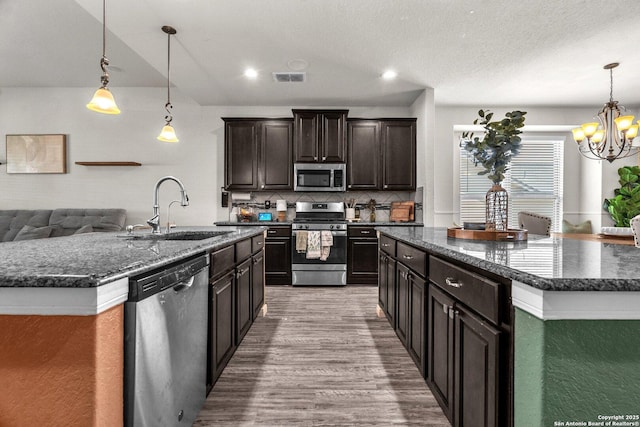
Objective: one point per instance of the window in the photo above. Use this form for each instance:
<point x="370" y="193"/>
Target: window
<point x="534" y="182"/>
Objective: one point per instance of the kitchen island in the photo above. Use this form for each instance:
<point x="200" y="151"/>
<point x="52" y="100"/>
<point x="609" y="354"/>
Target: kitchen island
<point x="62" y="320"/>
<point x="574" y="331"/>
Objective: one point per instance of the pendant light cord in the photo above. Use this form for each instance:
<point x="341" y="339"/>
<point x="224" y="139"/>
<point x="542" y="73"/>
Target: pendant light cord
<point x="169" y="30"/>
<point x="610" y="84"/>
<point x="104" y="62"/>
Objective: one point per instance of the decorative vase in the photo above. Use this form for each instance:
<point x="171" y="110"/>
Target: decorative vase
<point x="497" y="208"/>
<point x="372" y="216"/>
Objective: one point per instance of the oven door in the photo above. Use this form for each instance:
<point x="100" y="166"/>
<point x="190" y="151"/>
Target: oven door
<point x="333" y="271"/>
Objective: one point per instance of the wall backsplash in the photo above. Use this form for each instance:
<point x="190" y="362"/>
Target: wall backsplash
<point x="383" y="201"/>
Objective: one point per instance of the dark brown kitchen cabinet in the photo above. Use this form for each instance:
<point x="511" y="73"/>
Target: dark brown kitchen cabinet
<point x="221" y="326"/>
<point x="244" y="307"/>
<point x="320" y="136"/>
<point x="386" y="285"/>
<point x="258" y="154"/>
<point x="381" y="154"/>
<point x="416" y="338"/>
<point x="364" y="161"/>
<point x="469" y="364"/>
<point x="257" y="283"/>
<point x="402" y="295"/>
<point x="398" y="146"/>
<point x="362" y="255"/>
<point x="277" y="256"/>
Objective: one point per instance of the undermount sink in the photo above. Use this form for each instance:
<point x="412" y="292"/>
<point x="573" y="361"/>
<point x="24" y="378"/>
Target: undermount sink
<point x="177" y="235"/>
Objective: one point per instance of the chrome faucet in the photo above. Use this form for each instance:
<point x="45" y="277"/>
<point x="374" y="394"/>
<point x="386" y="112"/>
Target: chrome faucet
<point x="154" y="221"/>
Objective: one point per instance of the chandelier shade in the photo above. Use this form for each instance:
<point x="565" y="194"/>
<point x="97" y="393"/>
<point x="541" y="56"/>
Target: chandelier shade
<point x="611" y="138"/>
<point x="103" y="101"/>
<point x="168" y="134"/>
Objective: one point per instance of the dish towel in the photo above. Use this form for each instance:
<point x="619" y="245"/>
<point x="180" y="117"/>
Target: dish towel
<point x="313" y="245"/>
<point x="326" y="241"/>
<point x="301" y="241"/>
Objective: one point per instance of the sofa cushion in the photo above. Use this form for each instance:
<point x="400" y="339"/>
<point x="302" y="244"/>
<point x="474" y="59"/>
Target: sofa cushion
<point x="67" y="221"/>
<point x="29" y="233"/>
<point x="84" y="229"/>
<point x="581" y="228"/>
<point x="12" y="221"/>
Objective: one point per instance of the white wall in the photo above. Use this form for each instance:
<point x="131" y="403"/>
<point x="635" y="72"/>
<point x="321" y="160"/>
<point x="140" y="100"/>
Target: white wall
<point x="197" y="160"/>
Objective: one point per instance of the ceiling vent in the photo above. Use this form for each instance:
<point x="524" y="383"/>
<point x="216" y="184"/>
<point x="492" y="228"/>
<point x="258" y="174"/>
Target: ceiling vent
<point x="289" y="77"/>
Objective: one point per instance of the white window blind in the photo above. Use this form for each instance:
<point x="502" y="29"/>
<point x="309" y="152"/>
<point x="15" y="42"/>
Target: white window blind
<point x="534" y="182"/>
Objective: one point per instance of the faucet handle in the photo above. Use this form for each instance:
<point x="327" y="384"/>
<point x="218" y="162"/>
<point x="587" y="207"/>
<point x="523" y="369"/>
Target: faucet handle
<point x="130" y="228"/>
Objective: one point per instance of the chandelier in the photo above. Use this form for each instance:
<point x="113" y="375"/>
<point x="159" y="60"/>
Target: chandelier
<point x="612" y="137"/>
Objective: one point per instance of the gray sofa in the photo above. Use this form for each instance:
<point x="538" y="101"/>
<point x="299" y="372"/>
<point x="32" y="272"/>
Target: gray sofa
<point x="37" y="224"/>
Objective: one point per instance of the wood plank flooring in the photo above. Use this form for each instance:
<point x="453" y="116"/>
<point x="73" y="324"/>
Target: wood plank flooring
<point x="321" y="357"/>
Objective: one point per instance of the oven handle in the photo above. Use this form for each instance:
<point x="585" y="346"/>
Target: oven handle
<point x="337" y="233"/>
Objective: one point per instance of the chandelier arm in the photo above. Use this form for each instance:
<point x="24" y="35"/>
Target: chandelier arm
<point x="168" y="108"/>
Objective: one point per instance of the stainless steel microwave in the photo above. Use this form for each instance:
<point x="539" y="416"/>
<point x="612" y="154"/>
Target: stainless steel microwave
<point x="319" y="177"/>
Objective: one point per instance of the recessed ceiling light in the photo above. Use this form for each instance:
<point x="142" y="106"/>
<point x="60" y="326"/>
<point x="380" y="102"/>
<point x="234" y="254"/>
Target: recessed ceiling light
<point x="250" y="73"/>
<point x="389" y="75"/>
<point x="297" y="64"/>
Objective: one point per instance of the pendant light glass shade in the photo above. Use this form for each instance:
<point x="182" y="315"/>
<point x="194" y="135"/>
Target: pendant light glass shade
<point x="102" y="101"/>
<point x="168" y="134"/>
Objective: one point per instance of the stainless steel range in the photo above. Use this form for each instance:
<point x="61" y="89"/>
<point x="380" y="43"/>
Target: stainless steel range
<point x="323" y="224"/>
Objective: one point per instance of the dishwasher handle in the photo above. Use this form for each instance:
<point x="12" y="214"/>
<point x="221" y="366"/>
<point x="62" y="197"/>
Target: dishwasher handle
<point x="184" y="285"/>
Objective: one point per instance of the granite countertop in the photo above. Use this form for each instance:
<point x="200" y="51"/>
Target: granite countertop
<point x="262" y="223"/>
<point x="361" y="223"/>
<point x="95" y="259"/>
<point x="545" y="263"/>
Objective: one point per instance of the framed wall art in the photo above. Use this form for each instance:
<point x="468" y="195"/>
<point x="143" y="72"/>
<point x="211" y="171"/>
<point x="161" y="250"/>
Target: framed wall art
<point x="37" y="153"/>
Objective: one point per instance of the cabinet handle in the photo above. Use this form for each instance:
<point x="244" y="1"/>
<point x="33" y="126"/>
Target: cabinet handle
<point x="365" y="232"/>
<point x="271" y="231"/>
<point x="324" y="158"/>
<point x="385" y="245"/>
<point x="260" y="243"/>
<point x="386" y="186"/>
<point x="350" y="186"/>
<point x="453" y="313"/>
<point x="315" y="158"/>
<point x="405" y="256"/>
<point x="450" y="281"/>
<point x="262" y="186"/>
<point x="257" y="260"/>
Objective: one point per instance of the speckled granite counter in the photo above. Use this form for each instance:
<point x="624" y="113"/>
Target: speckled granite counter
<point x="552" y="278"/>
<point x="262" y="223"/>
<point x="362" y="223"/>
<point x="87" y="274"/>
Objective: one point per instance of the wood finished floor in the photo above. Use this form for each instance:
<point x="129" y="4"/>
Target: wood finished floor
<point x="321" y="357"/>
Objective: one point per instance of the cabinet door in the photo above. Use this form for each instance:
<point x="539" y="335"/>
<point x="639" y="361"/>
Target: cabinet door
<point x="416" y="339"/>
<point x="440" y="342"/>
<point x="364" y="160"/>
<point x="399" y="154"/>
<point x="277" y="263"/>
<point x="383" y="265"/>
<point x="222" y="317"/>
<point x="243" y="299"/>
<point x="333" y="135"/>
<point x="362" y="261"/>
<point x="257" y="283"/>
<point x="306" y="140"/>
<point x="390" y="310"/>
<point x="402" y="306"/>
<point x="241" y="155"/>
<point x="276" y="155"/>
<point x="476" y="371"/>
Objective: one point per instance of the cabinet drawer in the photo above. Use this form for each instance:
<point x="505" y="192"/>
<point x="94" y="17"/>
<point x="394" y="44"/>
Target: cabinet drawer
<point x="221" y="261"/>
<point x="257" y="243"/>
<point x="388" y="245"/>
<point x="278" y="232"/>
<point x="413" y="258"/>
<point x="476" y="292"/>
<point x="364" y="232"/>
<point x="243" y="250"/>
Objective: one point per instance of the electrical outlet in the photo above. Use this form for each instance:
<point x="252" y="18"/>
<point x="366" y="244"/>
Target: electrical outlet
<point x="267" y="204"/>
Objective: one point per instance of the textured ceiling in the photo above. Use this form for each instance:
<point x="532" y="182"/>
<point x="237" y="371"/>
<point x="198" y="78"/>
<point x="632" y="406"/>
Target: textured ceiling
<point x="472" y="52"/>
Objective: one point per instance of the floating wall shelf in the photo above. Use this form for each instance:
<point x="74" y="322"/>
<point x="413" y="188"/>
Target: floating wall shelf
<point x="109" y="163"/>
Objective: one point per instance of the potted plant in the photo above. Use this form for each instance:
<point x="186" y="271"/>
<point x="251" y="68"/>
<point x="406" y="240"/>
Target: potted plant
<point x="626" y="201"/>
<point x="493" y="152"/>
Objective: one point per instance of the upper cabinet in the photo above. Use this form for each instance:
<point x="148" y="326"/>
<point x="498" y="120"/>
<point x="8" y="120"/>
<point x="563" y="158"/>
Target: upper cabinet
<point x="258" y="154"/>
<point x="381" y="154"/>
<point x="320" y="136"/>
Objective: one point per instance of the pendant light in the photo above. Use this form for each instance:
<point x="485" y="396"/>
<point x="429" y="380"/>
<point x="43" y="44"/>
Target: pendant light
<point x="168" y="134"/>
<point x="102" y="101"/>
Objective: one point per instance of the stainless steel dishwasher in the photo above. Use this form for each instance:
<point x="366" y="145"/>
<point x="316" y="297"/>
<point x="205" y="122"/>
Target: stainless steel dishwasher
<point x="166" y="345"/>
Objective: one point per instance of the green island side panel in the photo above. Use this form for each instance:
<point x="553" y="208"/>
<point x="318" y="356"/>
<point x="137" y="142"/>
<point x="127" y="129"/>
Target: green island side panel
<point x="575" y="370"/>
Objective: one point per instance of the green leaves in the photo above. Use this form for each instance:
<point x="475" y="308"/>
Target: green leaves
<point x="499" y="144"/>
<point x="626" y="203"/>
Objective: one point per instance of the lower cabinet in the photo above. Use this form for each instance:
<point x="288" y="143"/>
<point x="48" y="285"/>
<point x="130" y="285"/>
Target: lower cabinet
<point x="416" y="342"/>
<point x="362" y="255"/>
<point x="222" y="341"/>
<point x="386" y="285"/>
<point x="277" y="255"/>
<point x="236" y="296"/>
